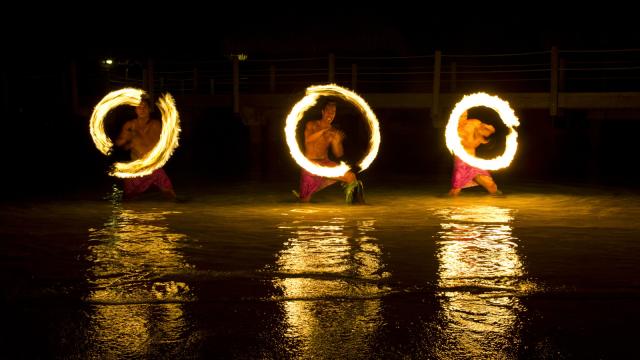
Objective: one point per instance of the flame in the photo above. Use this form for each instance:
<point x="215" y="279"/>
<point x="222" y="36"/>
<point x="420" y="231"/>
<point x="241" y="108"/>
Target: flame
<point x="159" y="155"/>
<point x="312" y="95"/>
<point x="507" y="116"/>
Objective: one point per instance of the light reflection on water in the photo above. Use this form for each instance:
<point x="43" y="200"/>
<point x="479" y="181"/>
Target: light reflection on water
<point x="329" y="275"/>
<point x="462" y="293"/>
<point x="138" y="308"/>
<point x="480" y="280"/>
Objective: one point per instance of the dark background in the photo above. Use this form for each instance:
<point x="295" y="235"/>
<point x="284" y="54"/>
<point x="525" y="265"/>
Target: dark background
<point x="47" y="149"/>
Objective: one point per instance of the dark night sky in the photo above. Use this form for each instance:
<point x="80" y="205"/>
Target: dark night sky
<point x="393" y="28"/>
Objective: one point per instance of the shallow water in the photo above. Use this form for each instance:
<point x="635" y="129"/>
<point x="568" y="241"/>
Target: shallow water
<point x="245" y="272"/>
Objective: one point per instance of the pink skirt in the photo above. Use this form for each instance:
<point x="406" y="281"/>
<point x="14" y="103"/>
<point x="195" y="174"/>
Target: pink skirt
<point x="310" y="183"/>
<point x="136" y="186"/>
<point x="464" y="173"/>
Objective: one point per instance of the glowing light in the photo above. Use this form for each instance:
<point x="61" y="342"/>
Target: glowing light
<point x="481" y="278"/>
<point x="323" y="261"/>
<point x="161" y="152"/>
<point x="129" y="257"/>
<point x="312" y="95"/>
<point x="506" y="115"/>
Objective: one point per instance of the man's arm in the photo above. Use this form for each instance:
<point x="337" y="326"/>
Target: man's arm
<point x="126" y="134"/>
<point x="486" y="129"/>
<point x="310" y="135"/>
<point x="463" y="121"/>
<point x="482" y="131"/>
<point x="336" y="143"/>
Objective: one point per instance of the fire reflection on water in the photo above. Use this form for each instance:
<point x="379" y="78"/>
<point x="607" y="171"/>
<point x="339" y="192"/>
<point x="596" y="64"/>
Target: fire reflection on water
<point x="325" y="261"/>
<point x="480" y="279"/>
<point x="137" y="307"/>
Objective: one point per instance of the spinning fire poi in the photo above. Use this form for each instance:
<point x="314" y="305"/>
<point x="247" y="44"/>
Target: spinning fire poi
<point x="318" y="171"/>
<point x="160" y="153"/>
<point x="463" y="136"/>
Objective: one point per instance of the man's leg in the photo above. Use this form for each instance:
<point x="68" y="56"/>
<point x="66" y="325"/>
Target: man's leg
<point x="311" y="184"/>
<point x="133" y="187"/>
<point x="488" y="183"/>
<point x="163" y="183"/>
<point x="352" y="186"/>
<point x="324" y="184"/>
<point x="347" y="178"/>
<point x="358" y="193"/>
<point x="169" y="194"/>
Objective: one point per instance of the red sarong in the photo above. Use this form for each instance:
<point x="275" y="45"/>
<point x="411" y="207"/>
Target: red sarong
<point x="310" y="183"/>
<point x="464" y="173"/>
<point x="136" y="186"/>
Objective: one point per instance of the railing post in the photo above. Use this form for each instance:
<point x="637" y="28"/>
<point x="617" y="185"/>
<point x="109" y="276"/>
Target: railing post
<point x="236" y="84"/>
<point x="354" y="77"/>
<point x="332" y="68"/>
<point x="553" y="91"/>
<point x="149" y="86"/>
<point x="272" y="78"/>
<point x="436" y="88"/>
<point x="452" y="83"/>
<point x="562" y="76"/>
<point x="145" y="80"/>
<point x="73" y="77"/>
<point x="195" y="81"/>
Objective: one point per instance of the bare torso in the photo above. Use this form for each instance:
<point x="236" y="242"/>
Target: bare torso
<point x="319" y="136"/>
<point x="139" y="136"/>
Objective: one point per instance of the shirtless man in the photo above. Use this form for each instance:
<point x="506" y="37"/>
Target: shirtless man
<point x="139" y="136"/>
<point x="319" y="136"/>
<point x="472" y="133"/>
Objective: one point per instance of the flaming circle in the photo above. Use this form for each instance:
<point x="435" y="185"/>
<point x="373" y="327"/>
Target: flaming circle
<point x="313" y="93"/>
<point x="506" y="115"/>
<point x="154" y="159"/>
